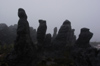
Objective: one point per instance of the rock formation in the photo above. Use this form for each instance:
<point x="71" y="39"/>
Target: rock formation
<point x="62" y="48"/>
<point x="70" y="40"/>
<point x="23" y="53"/>
<point x="72" y="37"/>
<point x="83" y="53"/>
<point x="47" y="45"/>
<point x="47" y="41"/>
<point x="55" y="33"/>
<point x="41" y="34"/>
<point x="33" y="34"/>
<point x="4" y="34"/>
<point x="84" y="38"/>
<point x="41" y="31"/>
<point x="8" y="33"/>
<point x="59" y="43"/>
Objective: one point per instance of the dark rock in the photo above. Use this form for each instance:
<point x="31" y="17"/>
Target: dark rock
<point x="62" y="48"/>
<point x="47" y="46"/>
<point x="8" y="33"/>
<point x="55" y="33"/>
<point x="71" y="38"/>
<point x="83" y="54"/>
<point x="47" y="43"/>
<point x="47" y="40"/>
<point x="22" y="23"/>
<point x="41" y="34"/>
<point x="4" y="34"/>
<point x="1" y="43"/>
<point x="63" y="30"/>
<point x="84" y="38"/>
<point x="22" y="14"/>
<point x="33" y="34"/>
<point x="41" y="31"/>
<point x="59" y="43"/>
<point x="91" y="56"/>
<point x="24" y="50"/>
<point x="13" y="33"/>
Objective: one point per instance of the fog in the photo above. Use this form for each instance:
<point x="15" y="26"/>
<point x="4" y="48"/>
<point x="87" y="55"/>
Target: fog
<point x="81" y="13"/>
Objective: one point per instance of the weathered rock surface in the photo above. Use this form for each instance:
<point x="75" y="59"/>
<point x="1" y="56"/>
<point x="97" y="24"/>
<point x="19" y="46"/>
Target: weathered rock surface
<point x="23" y="53"/>
<point x="71" y="38"/>
<point x="83" y="53"/>
<point x="47" y="42"/>
<point x="41" y="34"/>
<point x="59" y="43"/>
<point x="63" y="46"/>
<point x="41" y="31"/>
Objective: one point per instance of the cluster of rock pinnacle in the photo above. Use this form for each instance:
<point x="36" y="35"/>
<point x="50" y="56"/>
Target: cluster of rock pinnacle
<point x="28" y="53"/>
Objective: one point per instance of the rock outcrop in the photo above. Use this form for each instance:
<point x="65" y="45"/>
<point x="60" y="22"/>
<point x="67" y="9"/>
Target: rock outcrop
<point x="23" y="53"/>
<point x="59" y="43"/>
<point x="54" y="33"/>
<point x="62" y="49"/>
<point x="41" y="31"/>
<point x="84" y="38"/>
<point x="83" y="53"/>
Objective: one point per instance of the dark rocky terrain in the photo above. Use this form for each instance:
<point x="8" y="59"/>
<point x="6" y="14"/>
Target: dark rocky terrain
<point x="36" y="48"/>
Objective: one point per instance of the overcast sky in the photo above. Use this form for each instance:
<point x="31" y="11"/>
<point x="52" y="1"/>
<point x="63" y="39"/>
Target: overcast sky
<point x="81" y="13"/>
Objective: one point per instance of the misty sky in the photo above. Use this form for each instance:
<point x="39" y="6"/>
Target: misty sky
<point x="81" y="13"/>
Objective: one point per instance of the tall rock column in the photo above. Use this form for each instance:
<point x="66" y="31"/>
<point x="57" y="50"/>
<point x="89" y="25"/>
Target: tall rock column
<point x="83" y="52"/>
<point x="84" y="38"/>
<point x="41" y="31"/>
<point x="41" y="34"/>
<point x="70" y="39"/>
<point x="23" y="53"/>
<point x="55" y="33"/>
<point x="59" y="43"/>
